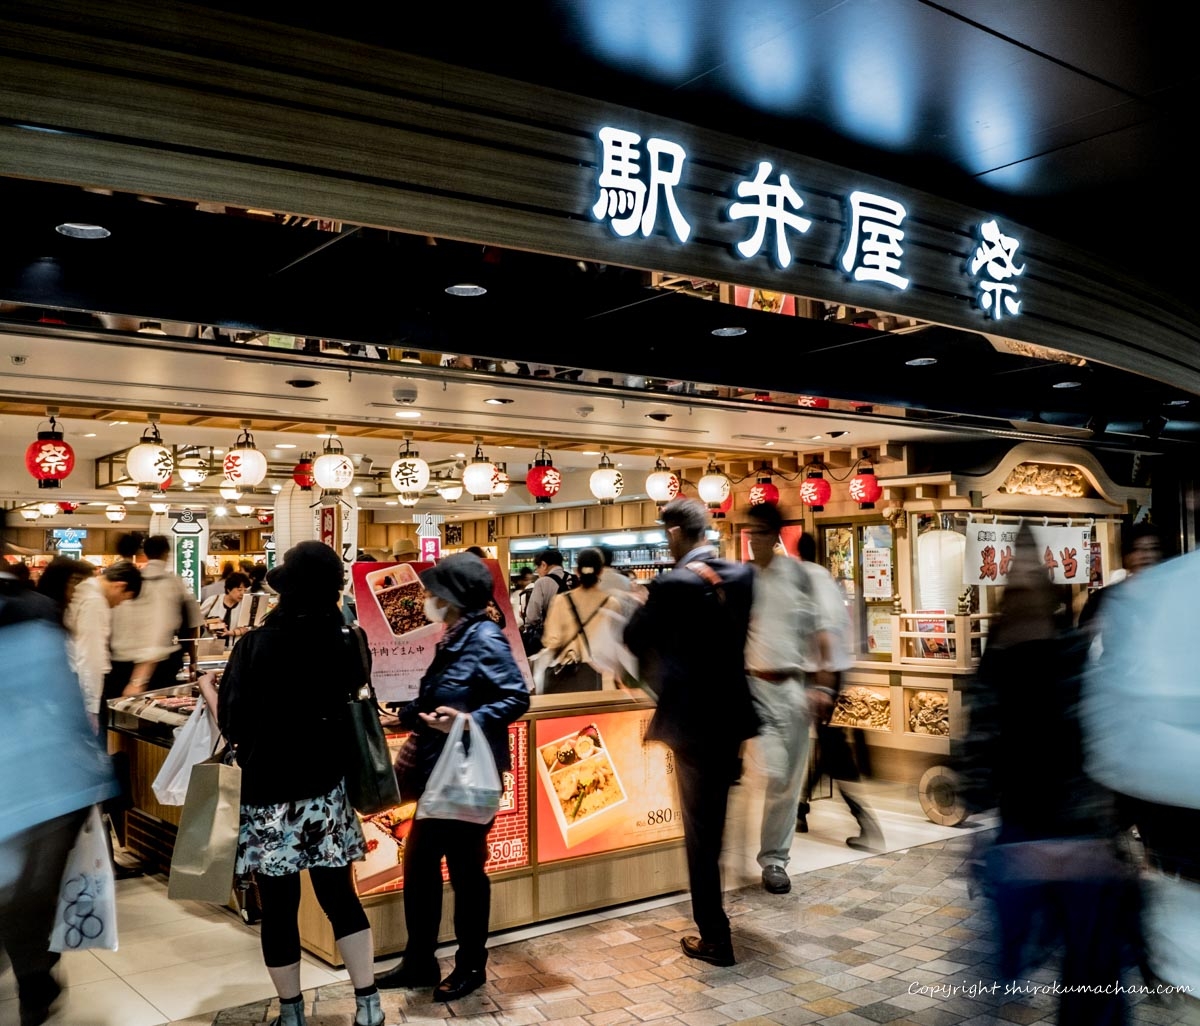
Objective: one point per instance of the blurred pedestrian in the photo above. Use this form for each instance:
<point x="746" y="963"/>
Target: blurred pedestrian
<point x="473" y="674"/>
<point x="1141" y="710"/>
<point x="217" y="585"/>
<point x="284" y="691"/>
<point x="1141" y="548"/>
<point x="48" y="745"/>
<point x="690" y="639"/>
<point x="1054" y="875"/>
<point x="566" y="630"/>
<point x="60" y="578"/>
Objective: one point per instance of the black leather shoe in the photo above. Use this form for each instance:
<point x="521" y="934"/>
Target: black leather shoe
<point x="863" y="844"/>
<point x="459" y="984"/>
<point x="706" y="951"/>
<point x="802" y="818"/>
<point x="410" y="976"/>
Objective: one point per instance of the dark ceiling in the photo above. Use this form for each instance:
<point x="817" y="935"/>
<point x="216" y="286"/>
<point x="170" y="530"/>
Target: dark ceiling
<point x="1070" y="116"/>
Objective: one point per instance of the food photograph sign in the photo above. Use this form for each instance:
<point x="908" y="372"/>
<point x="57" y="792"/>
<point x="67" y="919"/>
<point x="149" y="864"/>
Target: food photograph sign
<point x="601" y="786"/>
<point x="390" y="607"/>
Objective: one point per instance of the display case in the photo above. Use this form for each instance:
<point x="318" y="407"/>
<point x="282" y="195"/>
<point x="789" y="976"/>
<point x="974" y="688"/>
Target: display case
<point x="643" y="554"/>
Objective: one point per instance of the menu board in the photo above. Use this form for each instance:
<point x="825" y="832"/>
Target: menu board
<point x="601" y="786"/>
<point x="877" y="573"/>
<point x="390" y="606"/>
<point x="508" y="841"/>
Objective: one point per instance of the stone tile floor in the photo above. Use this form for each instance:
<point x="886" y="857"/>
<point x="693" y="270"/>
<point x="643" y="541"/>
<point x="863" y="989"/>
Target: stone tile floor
<point x="851" y="945"/>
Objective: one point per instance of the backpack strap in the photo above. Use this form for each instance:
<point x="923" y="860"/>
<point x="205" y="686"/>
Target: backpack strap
<point x="710" y="577"/>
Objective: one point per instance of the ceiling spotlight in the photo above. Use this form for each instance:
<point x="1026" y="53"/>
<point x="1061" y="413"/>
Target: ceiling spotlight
<point x="82" y="230"/>
<point x="729" y="332"/>
<point x="301" y="382"/>
<point x="285" y="445"/>
<point x="150" y="328"/>
<point x="921" y="361"/>
<point x="497" y="401"/>
<point x="409" y="414"/>
<point x="466" y="289"/>
<point x="1067" y="384"/>
<point x="1169" y="402"/>
<point x="660" y="417"/>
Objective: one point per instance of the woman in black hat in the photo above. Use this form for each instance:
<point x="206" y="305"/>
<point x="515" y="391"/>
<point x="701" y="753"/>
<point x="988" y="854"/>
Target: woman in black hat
<point x="473" y="673"/>
<point x="282" y="703"/>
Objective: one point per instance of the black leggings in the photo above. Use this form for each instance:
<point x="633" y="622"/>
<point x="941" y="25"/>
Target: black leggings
<point x="280" y="897"/>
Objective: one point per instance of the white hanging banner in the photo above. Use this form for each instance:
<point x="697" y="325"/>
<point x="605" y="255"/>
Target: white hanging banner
<point x="1064" y="552"/>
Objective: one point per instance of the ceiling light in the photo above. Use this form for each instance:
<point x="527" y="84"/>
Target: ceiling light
<point x="82" y="230"/>
<point x="244" y="509"/>
<point x="30" y="513"/>
<point x="160" y="507"/>
<point x="231" y="492"/>
<point x="466" y="289"/>
<point x="728" y="332"/>
<point x="391" y="502"/>
<point x="409" y="356"/>
<point x="219" y="511"/>
<point x="47" y="509"/>
<point x="150" y="328"/>
<point x="409" y="414"/>
<point x="1067" y="384"/>
<point x="301" y="382"/>
<point x="128" y="491"/>
<point x="770" y="443"/>
<point x="589" y="452"/>
<point x="115" y="513"/>
<point x="921" y="361"/>
<point x="276" y="489"/>
<point x="90" y="434"/>
<point x="497" y="401"/>
<point x="286" y="445"/>
<point x="1169" y="402"/>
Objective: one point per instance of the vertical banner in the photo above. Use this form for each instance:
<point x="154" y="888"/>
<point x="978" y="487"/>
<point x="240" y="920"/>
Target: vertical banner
<point x="391" y="610"/>
<point x="327" y="521"/>
<point x="189" y="532"/>
<point x="429" y="536"/>
<point x="1065" y="552"/>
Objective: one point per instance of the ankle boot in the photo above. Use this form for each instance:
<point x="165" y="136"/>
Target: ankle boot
<point x="367" y="1010"/>
<point x="291" y="1013"/>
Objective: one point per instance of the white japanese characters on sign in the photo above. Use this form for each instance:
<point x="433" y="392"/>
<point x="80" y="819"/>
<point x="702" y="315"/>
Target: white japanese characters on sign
<point x="625" y="201"/>
<point x="636" y="178"/>
<point x="770" y="206"/>
<point x="873" y="248"/>
<point x="995" y="257"/>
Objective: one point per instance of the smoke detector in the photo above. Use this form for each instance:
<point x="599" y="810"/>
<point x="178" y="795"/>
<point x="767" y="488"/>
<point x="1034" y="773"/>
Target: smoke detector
<point x="405" y="395"/>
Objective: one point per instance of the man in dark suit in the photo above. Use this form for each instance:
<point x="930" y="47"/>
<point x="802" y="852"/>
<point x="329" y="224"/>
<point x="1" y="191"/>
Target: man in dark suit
<point x="690" y="636"/>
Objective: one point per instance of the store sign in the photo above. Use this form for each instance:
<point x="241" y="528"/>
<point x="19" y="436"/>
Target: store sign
<point x="429" y="536"/>
<point x="1064" y="552"/>
<point x="66" y="540"/>
<point x="189" y="532"/>
<point x="601" y="786"/>
<point x="637" y="187"/>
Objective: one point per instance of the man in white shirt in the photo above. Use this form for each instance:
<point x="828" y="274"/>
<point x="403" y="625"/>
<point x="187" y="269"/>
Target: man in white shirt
<point x="794" y="649"/>
<point x="89" y="621"/>
<point x="146" y="654"/>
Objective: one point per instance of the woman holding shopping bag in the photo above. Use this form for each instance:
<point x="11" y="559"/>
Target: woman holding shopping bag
<point x="282" y="705"/>
<point x="473" y="675"/>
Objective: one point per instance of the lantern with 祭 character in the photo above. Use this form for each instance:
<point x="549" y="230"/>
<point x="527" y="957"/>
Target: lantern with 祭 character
<point x="244" y="465"/>
<point x="150" y="462"/>
<point x="662" y="485"/>
<point x="865" y="488"/>
<point x="763" y="490"/>
<point x="302" y="472"/>
<point x="543" y="479"/>
<point x="410" y="473"/>
<point x="49" y="459"/>
<point x="815" y="491"/>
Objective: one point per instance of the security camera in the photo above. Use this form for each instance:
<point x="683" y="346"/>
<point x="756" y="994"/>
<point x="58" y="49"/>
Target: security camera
<point x="405" y="395"/>
<point x="660" y="417"/>
<point x="18" y="360"/>
<point x="585" y="411"/>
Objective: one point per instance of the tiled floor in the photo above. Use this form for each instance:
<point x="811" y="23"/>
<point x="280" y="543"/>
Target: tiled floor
<point x="847" y="947"/>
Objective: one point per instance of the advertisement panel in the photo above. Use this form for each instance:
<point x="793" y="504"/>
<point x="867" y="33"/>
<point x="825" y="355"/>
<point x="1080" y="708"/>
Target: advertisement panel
<point x="601" y="786"/>
<point x="1065" y="552"/>
<point x="388" y="598"/>
<point x="508" y="841"/>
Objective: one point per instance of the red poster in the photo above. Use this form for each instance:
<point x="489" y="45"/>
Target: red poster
<point x="329" y="526"/>
<point x="601" y="786"/>
<point x="508" y="840"/>
<point x="390" y="605"/>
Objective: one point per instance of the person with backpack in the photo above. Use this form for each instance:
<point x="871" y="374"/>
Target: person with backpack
<point x="551" y="579"/>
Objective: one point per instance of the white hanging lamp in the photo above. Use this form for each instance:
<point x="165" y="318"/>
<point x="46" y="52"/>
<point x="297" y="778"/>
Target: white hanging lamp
<point x="714" y="487"/>
<point x="150" y="462"/>
<point x="333" y="470"/>
<point x="478" y="474"/>
<point x="606" y="482"/>
<point x="409" y="474"/>
<point x="244" y="466"/>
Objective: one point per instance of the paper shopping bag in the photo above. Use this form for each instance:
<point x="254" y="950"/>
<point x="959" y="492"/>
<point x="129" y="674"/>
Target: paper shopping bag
<point x="87" y="903"/>
<point x="206" y="844"/>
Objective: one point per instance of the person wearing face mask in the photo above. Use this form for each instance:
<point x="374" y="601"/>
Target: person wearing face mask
<point x="473" y="673"/>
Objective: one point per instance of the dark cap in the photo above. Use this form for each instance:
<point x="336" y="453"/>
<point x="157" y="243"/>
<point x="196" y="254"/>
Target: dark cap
<point x="462" y="580"/>
<point x="308" y="567"/>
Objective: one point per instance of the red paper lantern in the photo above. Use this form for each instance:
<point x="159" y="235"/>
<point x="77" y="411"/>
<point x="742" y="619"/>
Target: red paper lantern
<point x="865" y="488"/>
<point x="544" y="479"/>
<point x="265" y="516"/>
<point x="719" y="512"/>
<point x="302" y="474"/>
<point x="68" y="507"/>
<point x="49" y="459"/>
<point x="815" y="492"/>
<point x="762" y="491"/>
<point x="812" y="402"/>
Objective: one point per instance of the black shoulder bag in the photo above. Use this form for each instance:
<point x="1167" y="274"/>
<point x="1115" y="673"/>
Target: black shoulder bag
<point x="370" y="780"/>
<point x="574" y="676"/>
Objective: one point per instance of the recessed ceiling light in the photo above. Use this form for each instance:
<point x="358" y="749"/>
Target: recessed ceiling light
<point x="150" y="328"/>
<point x="1177" y="402"/>
<point x="82" y="230"/>
<point x="1066" y="384"/>
<point x="770" y="443"/>
<point x="728" y="332"/>
<point x="466" y="289"/>
<point x="409" y="414"/>
<point x="301" y="382"/>
<point x="218" y="452"/>
<point x="286" y="445"/>
<point x="497" y="401"/>
<point x="117" y="423"/>
<point x="90" y="434"/>
<point x="460" y="455"/>
<point x="811" y="438"/>
<point x="921" y="361"/>
<point x="391" y="502"/>
<point x="589" y="452"/>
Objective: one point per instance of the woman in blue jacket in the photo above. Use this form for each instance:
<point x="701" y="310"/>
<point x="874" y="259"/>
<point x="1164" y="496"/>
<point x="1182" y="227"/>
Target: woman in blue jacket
<point x="473" y="673"/>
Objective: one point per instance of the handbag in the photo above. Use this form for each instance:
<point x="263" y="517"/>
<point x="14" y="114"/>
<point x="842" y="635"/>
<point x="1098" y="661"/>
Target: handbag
<point x="193" y="743"/>
<point x="405" y="766"/>
<point x="206" y="844"/>
<point x="86" y="916"/>
<point x="370" y="779"/>
<point x="464" y="784"/>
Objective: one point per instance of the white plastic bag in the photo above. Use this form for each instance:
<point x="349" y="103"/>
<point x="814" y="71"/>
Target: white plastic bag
<point x="464" y="784"/>
<point x="86" y="916"/>
<point x="193" y="743"/>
